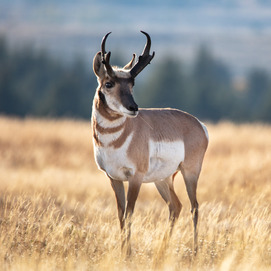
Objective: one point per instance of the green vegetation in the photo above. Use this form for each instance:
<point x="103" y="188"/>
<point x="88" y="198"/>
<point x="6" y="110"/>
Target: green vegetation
<point x="34" y="83"/>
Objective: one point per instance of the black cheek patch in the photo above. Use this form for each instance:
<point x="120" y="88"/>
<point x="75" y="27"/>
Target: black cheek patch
<point x="102" y="97"/>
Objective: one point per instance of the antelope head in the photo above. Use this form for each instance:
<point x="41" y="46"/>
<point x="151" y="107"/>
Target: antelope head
<point x="115" y="85"/>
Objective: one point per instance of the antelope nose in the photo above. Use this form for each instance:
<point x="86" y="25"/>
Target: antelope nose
<point x="133" y="107"/>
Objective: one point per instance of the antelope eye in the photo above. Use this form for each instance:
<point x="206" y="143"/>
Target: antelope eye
<point x="108" y="85"/>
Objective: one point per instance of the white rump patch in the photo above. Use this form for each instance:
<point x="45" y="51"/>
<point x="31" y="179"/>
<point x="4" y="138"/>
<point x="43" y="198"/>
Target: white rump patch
<point x="205" y="130"/>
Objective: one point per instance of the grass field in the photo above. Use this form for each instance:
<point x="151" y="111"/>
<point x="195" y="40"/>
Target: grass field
<point x="58" y="212"/>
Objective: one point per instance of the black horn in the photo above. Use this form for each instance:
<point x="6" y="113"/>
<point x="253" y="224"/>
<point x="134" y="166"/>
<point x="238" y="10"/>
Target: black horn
<point x="144" y="59"/>
<point x="106" y="57"/>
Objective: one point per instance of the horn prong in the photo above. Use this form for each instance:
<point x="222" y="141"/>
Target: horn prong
<point x="144" y="59"/>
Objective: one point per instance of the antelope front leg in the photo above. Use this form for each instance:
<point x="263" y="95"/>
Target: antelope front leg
<point x="118" y="188"/>
<point x="133" y="190"/>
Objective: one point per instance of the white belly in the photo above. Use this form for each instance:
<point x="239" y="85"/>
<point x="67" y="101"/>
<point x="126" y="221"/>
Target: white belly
<point x="165" y="158"/>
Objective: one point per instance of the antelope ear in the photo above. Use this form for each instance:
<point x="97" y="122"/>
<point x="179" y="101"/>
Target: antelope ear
<point x="98" y="66"/>
<point x="130" y="65"/>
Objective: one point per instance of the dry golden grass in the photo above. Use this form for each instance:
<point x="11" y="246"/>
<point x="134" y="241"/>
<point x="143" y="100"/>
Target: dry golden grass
<point x="58" y="212"/>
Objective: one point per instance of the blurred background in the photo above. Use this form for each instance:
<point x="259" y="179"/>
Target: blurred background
<point x="212" y="56"/>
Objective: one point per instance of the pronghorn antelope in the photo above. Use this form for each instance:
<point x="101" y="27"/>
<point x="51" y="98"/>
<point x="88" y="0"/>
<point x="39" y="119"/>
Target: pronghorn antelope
<point x="143" y="145"/>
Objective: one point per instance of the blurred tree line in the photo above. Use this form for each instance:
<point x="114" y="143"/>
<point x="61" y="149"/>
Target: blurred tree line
<point x="35" y="84"/>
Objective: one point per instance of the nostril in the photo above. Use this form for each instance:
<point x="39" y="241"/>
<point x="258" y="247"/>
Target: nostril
<point x="133" y="107"/>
